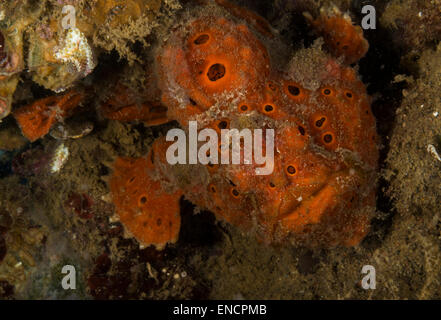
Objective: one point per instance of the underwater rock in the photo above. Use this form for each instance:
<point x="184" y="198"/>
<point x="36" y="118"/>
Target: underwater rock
<point x="57" y="64"/>
<point x="413" y="23"/>
<point x="414" y="174"/>
<point x="71" y="129"/>
<point x="20" y="240"/>
<point x="16" y="17"/>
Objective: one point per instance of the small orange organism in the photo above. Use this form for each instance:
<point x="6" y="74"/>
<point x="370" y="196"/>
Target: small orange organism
<point x="216" y="69"/>
<point x="36" y="119"/>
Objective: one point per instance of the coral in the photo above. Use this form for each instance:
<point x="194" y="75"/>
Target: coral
<point x="57" y="63"/>
<point x="114" y="24"/>
<point x="11" y="63"/>
<point x="7" y="89"/>
<point x="11" y="40"/>
<point x="15" y="19"/>
<point x="8" y="83"/>
<point x="9" y="60"/>
<point x="77" y="51"/>
<point x="36" y="119"/>
<point x="56" y="57"/>
<point x="214" y="69"/>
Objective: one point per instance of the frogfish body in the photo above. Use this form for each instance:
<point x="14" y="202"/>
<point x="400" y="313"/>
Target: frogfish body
<point x="220" y="68"/>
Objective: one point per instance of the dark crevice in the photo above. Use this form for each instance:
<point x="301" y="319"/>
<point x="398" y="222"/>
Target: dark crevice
<point x="378" y="70"/>
<point x="207" y="235"/>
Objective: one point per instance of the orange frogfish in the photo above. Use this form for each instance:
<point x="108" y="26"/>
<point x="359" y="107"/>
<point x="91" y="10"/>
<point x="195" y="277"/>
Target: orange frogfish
<point x="225" y="68"/>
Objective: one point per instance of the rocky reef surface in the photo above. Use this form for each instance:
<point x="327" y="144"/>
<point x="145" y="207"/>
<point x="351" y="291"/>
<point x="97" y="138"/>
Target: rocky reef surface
<point x="56" y="208"/>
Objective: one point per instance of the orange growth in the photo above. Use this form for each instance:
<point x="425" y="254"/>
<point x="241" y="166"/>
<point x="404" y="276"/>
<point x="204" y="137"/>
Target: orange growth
<point x="36" y="119"/>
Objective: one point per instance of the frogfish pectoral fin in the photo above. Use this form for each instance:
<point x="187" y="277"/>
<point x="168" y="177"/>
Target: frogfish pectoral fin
<point x="337" y="212"/>
<point x="147" y="211"/>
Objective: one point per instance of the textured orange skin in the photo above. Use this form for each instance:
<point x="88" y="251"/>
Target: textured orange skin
<point x="138" y="198"/>
<point x="327" y="134"/>
<point x="346" y="40"/>
<point x="36" y="119"/>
